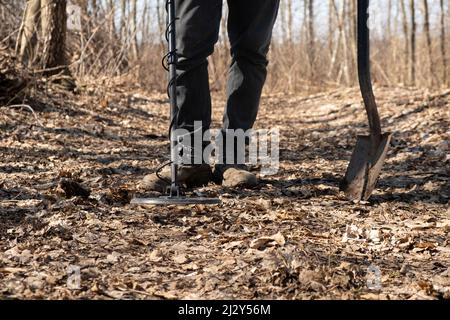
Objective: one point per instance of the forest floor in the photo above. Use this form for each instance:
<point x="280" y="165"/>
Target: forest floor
<point x="295" y="236"/>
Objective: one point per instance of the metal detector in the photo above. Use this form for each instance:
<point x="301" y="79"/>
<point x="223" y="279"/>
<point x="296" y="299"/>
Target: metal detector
<point x="174" y="193"/>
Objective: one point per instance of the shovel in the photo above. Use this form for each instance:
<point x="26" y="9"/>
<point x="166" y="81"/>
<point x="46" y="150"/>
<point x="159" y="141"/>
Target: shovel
<point x="370" y="151"/>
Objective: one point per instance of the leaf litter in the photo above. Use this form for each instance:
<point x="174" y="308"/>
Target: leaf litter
<point x="65" y="190"/>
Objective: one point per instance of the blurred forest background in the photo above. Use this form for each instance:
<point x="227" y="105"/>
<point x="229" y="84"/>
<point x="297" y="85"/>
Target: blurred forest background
<point x="313" y="48"/>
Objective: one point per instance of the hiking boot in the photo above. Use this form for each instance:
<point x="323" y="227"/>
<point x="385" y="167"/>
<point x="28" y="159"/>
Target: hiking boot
<point x="235" y="176"/>
<point x="189" y="176"/>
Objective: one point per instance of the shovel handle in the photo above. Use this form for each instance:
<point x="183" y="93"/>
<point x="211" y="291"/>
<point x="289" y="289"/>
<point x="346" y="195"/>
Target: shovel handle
<point x="365" y="81"/>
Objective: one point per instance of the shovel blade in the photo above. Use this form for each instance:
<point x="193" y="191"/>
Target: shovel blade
<point x="365" y="167"/>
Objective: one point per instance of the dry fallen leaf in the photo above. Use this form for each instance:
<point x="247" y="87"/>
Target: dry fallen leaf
<point x="155" y="256"/>
<point x="419" y="224"/>
<point x="113" y="257"/>
<point x="445" y="225"/>
<point x="426" y="245"/>
<point x="12" y="270"/>
<point x="180" y="259"/>
<point x="264" y="242"/>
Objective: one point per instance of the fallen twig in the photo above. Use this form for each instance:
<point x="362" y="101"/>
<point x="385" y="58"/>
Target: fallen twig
<point x="30" y="109"/>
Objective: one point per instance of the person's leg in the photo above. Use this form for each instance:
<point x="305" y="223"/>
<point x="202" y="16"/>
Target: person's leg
<point x="250" y="26"/>
<point x="197" y="33"/>
<point x="197" y="30"/>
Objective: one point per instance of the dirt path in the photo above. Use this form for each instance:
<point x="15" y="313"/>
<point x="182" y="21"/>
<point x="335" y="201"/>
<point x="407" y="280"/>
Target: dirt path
<point x="322" y="246"/>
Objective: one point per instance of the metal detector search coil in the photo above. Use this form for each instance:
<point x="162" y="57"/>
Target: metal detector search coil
<point x="180" y="201"/>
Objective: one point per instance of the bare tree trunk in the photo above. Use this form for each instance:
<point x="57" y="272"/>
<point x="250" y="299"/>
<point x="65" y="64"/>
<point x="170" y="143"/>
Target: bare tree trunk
<point x="331" y="26"/>
<point x="112" y="24"/>
<point x="123" y="21"/>
<point x="133" y="23"/>
<point x="145" y="23"/>
<point x="54" y="30"/>
<point x="54" y="24"/>
<point x="311" y="39"/>
<point x="388" y="40"/>
<point x="27" y="40"/>
<point x="345" y="68"/>
<point x="290" y="21"/>
<point x="352" y="17"/>
<point x="51" y="16"/>
<point x="283" y="13"/>
<point x="389" y="21"/>
<point x="111" y="10"/>
<point x="426" y="26"/>
<point x="95" y="9"/>
<point x="335" y="51"/>
<point x="413" y="57"/>
<point x="406" y="36"/>
<point x="159" y="17"/>
<point x="395" y="44"/>
<point x="443" y="39"/>
<point x="353" y="20"/>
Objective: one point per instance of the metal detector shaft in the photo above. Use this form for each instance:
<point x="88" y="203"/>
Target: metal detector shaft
<point x="173" y="60"/>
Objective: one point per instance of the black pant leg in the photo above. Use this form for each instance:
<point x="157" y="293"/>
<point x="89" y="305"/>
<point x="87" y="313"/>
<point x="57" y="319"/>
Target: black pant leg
<point x="250" y="26"/>
<point x="197" y="33"/>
